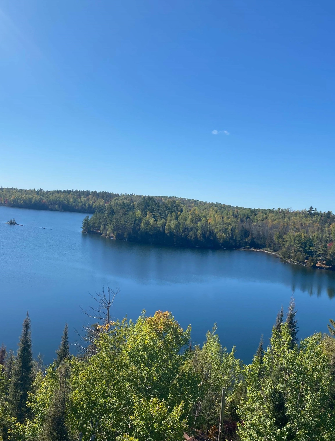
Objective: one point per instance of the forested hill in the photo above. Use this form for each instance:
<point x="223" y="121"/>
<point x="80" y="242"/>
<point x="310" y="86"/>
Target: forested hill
<point x="56" y="200"/>
<point x="306" y="236"/>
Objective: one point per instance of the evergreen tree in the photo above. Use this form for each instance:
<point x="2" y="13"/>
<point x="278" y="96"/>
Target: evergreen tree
<point x="22" y="375"/>
<point x="260" y="350"/>
<point x="293" y="400"/>
<point x="292" y="322"/>
<point x="278" y="408"/>
<point x="55" y="427"/>
<point x="260" y="356"/>
<point x="86" y="225"/>
<point x="279" y="320"/>
<point x="4" y="414"/>
<point x="2" y="355"/>
<point x="9" y="364"/>
<point x="331" y="329"/>
<point x="63" y="353"/>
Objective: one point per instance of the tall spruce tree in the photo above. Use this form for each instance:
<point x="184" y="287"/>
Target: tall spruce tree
<point x="260" y="350"/>
<point x="260" y="355"/>
<point x="279" y="320"/>
<point x="63" y="353"/>
<point x="292" y="322"/>
<point x="2" y="355"/>
<point x="86" y="225"/>
<point x="22" y="375"/>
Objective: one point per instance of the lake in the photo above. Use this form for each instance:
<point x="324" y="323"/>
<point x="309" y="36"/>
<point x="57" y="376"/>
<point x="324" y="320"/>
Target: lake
<point x="49" y="268"/>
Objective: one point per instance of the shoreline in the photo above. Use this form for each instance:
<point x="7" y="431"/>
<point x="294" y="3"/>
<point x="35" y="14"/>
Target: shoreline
<point x="319" y="265"/>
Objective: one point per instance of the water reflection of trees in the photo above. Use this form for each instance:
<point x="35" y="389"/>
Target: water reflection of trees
<point x="181" y="265"/>
<point x="330" y="292"/>
<point x="313" y="282"/>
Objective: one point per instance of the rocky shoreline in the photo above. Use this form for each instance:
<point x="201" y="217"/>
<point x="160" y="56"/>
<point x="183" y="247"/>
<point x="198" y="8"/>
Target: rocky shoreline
<point x="318" y="265"/>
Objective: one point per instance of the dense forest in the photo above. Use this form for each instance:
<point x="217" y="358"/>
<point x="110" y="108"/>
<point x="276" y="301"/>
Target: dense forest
<point x="306" y="236"/>
<point x="143" y="380"/>
<point x="58" y="200"/>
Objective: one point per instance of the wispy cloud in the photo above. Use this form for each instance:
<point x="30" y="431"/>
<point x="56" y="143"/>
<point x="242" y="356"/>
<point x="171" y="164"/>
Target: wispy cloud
<point x="217" y="132"/>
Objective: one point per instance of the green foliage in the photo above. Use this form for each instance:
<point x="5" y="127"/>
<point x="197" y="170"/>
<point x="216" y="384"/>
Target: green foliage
<point x="57" y="200"/>
<point x="4" y="409"/>
<point x="126" y="438"/>
<point x="260" y="351"/>
<point x="55" y="423"/>
<point x="86" y="225"/>
<point x="22" y="375"/>
<point x="294" y="235"/>
<point x="137" y="376"/>
<point x="63" y="353"/>
<point x="153" y="419"/>
<point x="144" y="382"/>
<point x="217" y="369"/>
<point x="155" y="356"/>
<point x="292" y="399"/>
<point x="279" y="320"/>
<point x="44" y="387"/>
<point x="2" y="355"/>
<point x="292" y="323"/>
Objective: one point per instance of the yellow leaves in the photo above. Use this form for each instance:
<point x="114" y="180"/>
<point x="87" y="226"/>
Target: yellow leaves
<point x="106" y="327"/>
<point x="163" y="322"/>
<point x="126" y="437"/>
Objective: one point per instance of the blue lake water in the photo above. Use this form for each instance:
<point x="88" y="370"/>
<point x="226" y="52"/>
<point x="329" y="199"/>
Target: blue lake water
<point x="47" y="267"/>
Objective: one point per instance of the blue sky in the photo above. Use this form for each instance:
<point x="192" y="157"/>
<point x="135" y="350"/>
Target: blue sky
<point x="225" y="101"/>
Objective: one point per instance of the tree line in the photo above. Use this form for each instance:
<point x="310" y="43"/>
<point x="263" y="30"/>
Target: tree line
<point x="143" y="380"/>
<point x="56" y="200"/>
<point x="303" y="236"/>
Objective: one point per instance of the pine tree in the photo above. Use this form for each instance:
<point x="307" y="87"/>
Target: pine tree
<point x="292" y="322"/>
<point x="260" y="355"/>
<point x="278" y="408"/>
<point x="22" y="375"/>
<point x="279" y="320"/>
<point x="63" y="353"/>
<point x="260" y="350"/>
<point x="2" y="355"/>
<point x="86" y="225"/>
<point x="9" y="364"/>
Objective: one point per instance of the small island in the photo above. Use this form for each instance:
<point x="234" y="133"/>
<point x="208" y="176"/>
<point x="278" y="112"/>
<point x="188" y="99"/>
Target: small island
<point x="12" y="222"/>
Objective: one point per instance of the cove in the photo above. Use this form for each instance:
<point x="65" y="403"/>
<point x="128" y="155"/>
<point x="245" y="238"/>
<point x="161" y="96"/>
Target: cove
<point x="49" y="268"/>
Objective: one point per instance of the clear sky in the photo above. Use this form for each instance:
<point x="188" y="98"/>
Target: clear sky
<point x="219" y="100"/>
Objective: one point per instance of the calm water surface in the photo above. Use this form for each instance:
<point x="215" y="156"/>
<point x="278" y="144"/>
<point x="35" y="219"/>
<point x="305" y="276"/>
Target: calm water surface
<point x="50" y="269"/>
